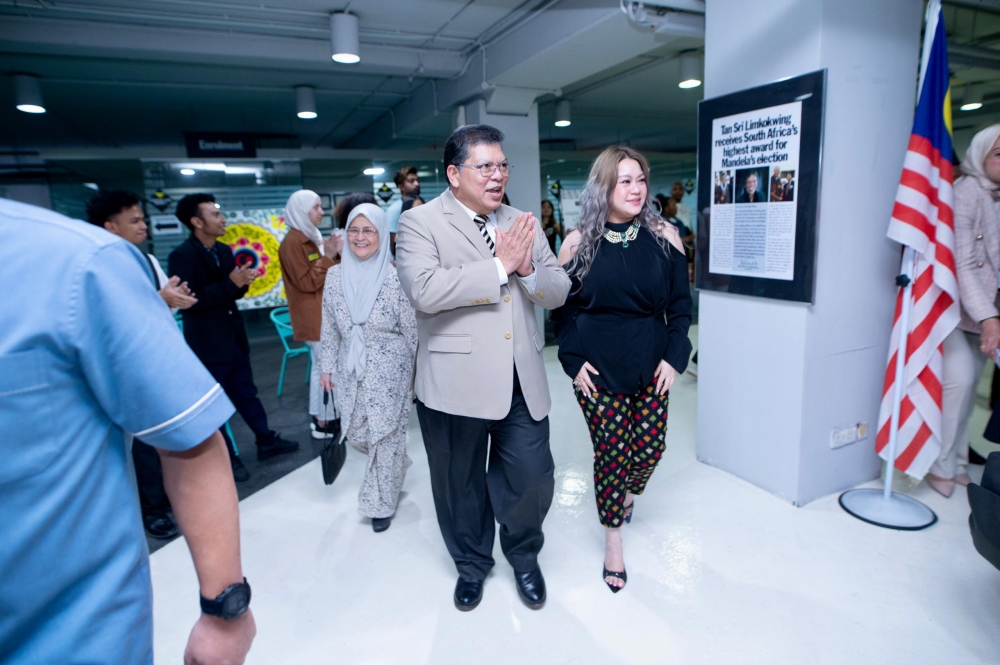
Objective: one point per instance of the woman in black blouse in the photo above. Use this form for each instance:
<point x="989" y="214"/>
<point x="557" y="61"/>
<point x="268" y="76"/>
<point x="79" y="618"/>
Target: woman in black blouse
<point x="623" y="333"/>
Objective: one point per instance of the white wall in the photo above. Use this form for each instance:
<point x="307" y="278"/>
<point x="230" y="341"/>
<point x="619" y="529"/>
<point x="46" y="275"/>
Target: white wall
<point x="776" y="378"/>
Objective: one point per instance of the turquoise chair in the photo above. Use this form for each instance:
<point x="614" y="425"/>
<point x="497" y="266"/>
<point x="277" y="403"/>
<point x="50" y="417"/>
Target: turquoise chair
<point x="229" y="430"/>
<point x="283" y="324"/>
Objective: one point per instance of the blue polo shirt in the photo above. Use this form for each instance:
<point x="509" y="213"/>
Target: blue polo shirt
<point x="89" y="356"/>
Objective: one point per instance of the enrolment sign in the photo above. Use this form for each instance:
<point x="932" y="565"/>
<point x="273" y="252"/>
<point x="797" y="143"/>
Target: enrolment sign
<point x="758" y="167"/>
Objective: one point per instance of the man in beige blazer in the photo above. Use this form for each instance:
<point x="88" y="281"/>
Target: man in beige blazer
<point x="474" y="270"/>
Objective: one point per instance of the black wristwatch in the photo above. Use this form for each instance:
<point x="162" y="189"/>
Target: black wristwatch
<point x="230" y="604"/>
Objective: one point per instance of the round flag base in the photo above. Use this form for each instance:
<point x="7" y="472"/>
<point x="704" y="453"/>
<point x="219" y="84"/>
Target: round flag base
<point x="899" y="511"/>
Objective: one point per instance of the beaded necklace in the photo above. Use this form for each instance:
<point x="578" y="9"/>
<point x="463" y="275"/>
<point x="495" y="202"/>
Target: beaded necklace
<point x="631" y="233"/>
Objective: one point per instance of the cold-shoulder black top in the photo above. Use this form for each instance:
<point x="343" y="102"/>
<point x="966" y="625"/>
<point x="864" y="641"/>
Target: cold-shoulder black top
<point x="632" y="310"/>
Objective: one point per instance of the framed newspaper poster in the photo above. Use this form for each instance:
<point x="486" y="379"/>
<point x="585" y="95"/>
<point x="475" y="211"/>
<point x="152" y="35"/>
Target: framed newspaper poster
<point x="759" y="153"/>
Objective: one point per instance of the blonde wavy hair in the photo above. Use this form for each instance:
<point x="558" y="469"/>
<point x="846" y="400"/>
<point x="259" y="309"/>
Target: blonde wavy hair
<point x="595" y="204"/>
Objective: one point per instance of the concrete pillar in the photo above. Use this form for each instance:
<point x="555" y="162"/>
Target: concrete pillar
<point x="521" y="148"/>
<point x="776" y="378"/>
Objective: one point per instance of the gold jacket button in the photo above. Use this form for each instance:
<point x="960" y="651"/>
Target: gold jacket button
<point x="488" y="300"/>
<point x="979" y="265"/>
<point x="979" y="237"/>
<point x="541" y="294"/>
<point x="507" y="335"/>
<point x="506" y="298"/>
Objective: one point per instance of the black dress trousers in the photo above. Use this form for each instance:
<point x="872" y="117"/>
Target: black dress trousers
<point x="516" y="490"/>
<point x="236" y="379"/>
<point x="149" y="479"/>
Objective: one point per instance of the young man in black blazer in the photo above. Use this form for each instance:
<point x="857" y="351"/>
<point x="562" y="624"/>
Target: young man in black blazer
<point x="213" y="327"/>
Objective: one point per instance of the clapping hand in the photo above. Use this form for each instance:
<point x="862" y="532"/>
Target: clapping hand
<point x="514" y="245"/>
<point x="177" y="294"/>
<point x="333" y="246"/>
<point x="241" y="276"/>
<point x="526" y="267"/>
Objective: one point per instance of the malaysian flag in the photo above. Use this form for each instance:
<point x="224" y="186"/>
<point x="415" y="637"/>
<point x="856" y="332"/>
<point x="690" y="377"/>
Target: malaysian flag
<point x="923" y="220"/>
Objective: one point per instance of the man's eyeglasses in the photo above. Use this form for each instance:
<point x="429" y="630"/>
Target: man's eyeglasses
<point x="487" y="170"/>
<point x="368" y="232"/>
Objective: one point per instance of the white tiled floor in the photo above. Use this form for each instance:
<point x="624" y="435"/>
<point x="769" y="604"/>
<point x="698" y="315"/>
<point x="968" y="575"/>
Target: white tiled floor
<point x="719" y="572"/>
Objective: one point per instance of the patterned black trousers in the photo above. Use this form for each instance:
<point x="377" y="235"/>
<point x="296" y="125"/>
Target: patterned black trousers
<point x="629" y="437"/>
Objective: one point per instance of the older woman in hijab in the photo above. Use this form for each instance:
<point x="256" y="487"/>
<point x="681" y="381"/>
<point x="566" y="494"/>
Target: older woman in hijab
<point x="305" y="258"/>
<point x="369" y="341"/>
<point x="967" y="348"/>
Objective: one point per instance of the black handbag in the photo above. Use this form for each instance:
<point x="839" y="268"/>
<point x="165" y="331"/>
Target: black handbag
<point x="334" y="452"/>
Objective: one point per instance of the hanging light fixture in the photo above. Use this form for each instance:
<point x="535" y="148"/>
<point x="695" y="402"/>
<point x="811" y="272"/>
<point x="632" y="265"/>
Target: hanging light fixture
<point x="28" y="94"/>
<point x="344" y="38"/>
<point x="305" y="102"/>
<point x="562" y="113"/>
<point x="973" y="98"/>
<point x="690" y="70"/>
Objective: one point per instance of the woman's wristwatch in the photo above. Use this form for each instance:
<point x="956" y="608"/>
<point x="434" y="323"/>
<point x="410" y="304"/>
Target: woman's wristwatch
<point x="231" y="604"/>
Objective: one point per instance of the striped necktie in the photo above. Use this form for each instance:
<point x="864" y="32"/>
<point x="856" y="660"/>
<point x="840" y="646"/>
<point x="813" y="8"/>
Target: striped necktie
<point x="481" y="223"/>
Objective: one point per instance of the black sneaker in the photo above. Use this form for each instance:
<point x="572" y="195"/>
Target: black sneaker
<point x="277" y="447"/>
<point x="159" y="526"/>
<point x="240" y="473"/>
<point x="328" y="431"/>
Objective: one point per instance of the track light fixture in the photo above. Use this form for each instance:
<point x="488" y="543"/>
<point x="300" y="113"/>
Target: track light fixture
<point x="344" y="38"/>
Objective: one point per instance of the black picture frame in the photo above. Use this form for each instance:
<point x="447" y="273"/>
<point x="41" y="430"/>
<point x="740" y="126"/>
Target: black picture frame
<point x="810" y="89"/>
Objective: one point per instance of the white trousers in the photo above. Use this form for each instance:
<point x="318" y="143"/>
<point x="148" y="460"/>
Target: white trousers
<point x="963" y="365"/>
<point x="316" y="407"/>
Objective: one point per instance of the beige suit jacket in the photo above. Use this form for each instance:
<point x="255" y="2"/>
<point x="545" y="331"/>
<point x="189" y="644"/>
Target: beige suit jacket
<point x="977" y="253"/>
<point x="472" y="332"/>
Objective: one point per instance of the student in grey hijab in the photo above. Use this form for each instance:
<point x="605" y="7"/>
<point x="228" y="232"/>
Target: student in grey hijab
<point x="369" y="341"/>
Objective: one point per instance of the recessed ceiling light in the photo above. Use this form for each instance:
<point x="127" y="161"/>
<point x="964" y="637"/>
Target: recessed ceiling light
<point x="187" y="171"/>
<point x="375" y="170"/>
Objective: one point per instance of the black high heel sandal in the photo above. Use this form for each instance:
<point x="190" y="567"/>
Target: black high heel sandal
<point x="623" y="576"/>
<point x="628" y="509"/>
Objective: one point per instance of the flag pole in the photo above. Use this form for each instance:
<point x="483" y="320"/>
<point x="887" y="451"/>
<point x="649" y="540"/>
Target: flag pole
<point x="884" y="507"/>
<point x="905" y="282"/>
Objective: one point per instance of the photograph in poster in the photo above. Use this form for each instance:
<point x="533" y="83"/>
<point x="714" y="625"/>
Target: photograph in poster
<point x="758" y="164"/>
<point x="753" y="232"/>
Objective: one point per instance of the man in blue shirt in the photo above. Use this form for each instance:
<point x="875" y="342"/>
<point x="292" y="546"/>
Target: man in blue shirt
<point x="409" y="186"/>
<point x="89" y="356"/>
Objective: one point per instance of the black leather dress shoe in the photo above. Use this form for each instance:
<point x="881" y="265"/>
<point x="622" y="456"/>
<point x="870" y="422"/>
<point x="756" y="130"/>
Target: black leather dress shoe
<point x="468" y="593"/>
<point x="240" y="473"/>
<point x="531" y="588"/>
<point x="159" y="526"/>
<point x="277" y="447"/>
<point x="380" y="524"/>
